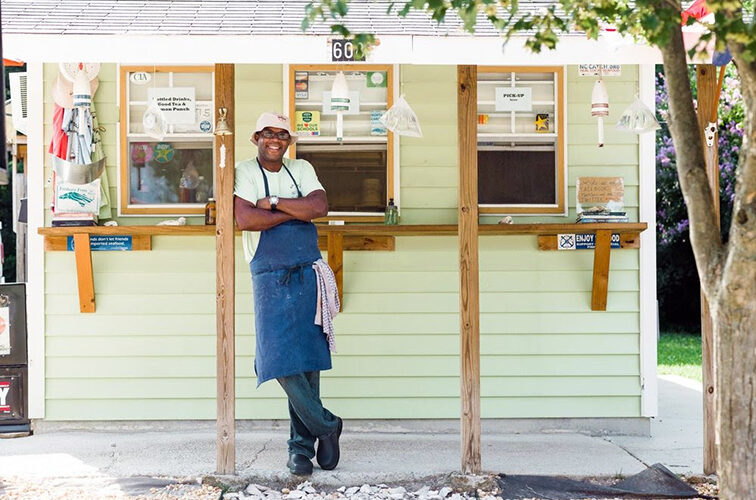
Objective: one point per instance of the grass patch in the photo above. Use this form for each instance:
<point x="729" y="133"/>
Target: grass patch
<point x="680" y="354"/>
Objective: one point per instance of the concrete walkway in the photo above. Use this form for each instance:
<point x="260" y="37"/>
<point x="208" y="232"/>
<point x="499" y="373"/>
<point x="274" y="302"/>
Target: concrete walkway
<point x="369" y="456"/>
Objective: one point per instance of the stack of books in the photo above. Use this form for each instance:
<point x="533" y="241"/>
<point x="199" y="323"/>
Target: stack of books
<point x="601" y="216"/>
<point x="74" y="219"/>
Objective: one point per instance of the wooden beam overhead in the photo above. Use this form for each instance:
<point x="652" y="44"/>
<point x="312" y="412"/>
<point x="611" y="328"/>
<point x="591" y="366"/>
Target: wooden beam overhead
<point x="224" y="268"/>
<point x="469" y="296"/>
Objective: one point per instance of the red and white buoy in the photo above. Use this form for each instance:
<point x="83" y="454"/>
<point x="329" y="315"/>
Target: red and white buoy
<point x="600" y="107"/>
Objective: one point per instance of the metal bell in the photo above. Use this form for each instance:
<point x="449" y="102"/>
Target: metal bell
<point x="222" y="128"/>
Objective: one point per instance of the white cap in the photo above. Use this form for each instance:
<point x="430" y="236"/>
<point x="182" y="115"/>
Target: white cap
<point x="275" y="120"/>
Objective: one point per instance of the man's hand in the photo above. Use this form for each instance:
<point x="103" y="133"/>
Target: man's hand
<point x="263" y="203"/>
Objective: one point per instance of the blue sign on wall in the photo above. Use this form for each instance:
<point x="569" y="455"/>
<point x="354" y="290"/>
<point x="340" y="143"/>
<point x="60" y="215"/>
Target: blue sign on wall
<point x="100" y="242"/>
<point x="582" y="241"/>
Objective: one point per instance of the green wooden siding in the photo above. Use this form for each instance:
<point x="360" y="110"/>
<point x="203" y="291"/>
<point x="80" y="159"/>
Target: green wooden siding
<point x="149" y="351"/>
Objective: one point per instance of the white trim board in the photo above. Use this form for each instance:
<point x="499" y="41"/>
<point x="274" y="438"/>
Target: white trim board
<point x="35" y="288"/>
<point x="648" y="303"/>
<point x="312" y="49"/>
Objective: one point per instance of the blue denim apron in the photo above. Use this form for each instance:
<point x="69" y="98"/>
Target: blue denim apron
<point x="285" y="293"/>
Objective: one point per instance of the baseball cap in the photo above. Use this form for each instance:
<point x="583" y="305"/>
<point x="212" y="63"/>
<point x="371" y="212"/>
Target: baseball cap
<point x="275" y="120"/>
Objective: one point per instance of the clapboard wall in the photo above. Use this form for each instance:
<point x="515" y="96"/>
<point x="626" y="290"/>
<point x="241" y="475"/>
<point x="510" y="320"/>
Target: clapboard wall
<point x="149" y="350"/>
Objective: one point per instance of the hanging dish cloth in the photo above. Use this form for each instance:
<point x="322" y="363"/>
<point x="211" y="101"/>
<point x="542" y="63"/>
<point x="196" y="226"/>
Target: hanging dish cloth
<point x="59" y="143"/>
<point x="328" y="300"/>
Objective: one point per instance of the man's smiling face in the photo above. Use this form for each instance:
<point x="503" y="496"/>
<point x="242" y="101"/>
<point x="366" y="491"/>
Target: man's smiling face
<point x="271" y="149"/>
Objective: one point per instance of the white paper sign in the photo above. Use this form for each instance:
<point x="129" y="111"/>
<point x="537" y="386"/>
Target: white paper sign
<point x="593" y="69"/>
<point x="514" y="99"/>
<point x="202" y="119"/>
<point x="5" y="347"/>
<point x="177" y="103"/>
<point x="354" y="104"/>
<point x="78" y="198"/>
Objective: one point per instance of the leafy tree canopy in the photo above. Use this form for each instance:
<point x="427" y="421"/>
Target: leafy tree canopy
<point x="647" y="19"/>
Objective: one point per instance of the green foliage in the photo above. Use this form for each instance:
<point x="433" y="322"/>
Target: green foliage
<point x="651" y="20"/>
<point x="679" y="354"/>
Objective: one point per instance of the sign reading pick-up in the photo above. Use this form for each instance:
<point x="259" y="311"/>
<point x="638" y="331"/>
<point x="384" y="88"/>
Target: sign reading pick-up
<point x="514" y="99"/>
<point x="582" y="241"/>
<point x="101" y="242"/>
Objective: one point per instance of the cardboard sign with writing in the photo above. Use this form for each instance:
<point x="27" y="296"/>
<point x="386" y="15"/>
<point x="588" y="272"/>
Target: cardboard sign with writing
<point x="604" y="193"/>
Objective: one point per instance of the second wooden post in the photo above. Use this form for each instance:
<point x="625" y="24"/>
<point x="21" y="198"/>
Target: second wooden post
<point x="469" y="296"/>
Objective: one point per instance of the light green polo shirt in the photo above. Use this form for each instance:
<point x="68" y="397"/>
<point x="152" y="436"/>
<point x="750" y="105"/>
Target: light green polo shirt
<point x="249" y="184"/>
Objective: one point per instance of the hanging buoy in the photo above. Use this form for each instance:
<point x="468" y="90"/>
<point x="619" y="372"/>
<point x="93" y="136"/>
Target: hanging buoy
<point x="340" y="102"/>
<point x="600" y="107"/>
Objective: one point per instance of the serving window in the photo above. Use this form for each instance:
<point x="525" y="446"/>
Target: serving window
<point x="356" y="170"/>
<point x="521" y="167"/>
<point x="166" y="161"/>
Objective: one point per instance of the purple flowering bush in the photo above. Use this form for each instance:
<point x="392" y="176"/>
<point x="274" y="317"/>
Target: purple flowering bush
<point x="677" y="278"/>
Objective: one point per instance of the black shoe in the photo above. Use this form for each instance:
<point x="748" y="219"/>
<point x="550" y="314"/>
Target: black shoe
<point x="299" y="465"/>
<point x="328" y="448"/>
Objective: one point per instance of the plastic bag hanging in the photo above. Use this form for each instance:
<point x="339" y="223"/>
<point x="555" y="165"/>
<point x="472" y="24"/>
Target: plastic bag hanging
<point x="154" y="122"/>
<point x="401" y="120"/>
<point x="637" y="118"/>
<point x="600" y="107"/>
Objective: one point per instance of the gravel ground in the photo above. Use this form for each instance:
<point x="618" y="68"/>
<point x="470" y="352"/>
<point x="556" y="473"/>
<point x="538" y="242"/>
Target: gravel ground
<point x="453" y="487"/>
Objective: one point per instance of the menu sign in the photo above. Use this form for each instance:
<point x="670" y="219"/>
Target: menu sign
<point x="177" y="103"/>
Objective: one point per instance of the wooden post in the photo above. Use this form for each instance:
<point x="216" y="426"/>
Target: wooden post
<point x="469" y="298"/>
<point x="225" y="289"/>
<point x="84" y="275"/>
<point x="336" y="261"/>
<point x="601" y="253"/>
<point x="706" y="81"/>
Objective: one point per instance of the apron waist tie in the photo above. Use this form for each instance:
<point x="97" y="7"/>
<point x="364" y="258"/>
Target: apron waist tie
<point x="290" y="272"/>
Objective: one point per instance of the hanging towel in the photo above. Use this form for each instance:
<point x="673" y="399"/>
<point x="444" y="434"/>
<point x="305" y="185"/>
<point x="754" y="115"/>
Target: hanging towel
<point x="328" y="300"/>
<point x="59" y="143"/>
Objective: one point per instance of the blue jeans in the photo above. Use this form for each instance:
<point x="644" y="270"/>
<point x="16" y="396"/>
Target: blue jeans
<point x="309" y="419"/>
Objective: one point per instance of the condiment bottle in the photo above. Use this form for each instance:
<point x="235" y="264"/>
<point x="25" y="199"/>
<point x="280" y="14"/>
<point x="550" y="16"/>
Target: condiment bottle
<point x="210" y="212"/>
<point x="392" y="213"/>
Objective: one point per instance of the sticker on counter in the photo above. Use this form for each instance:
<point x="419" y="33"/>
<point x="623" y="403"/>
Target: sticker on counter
<point x="582" y="241"/>
<point x="102" y="242"/>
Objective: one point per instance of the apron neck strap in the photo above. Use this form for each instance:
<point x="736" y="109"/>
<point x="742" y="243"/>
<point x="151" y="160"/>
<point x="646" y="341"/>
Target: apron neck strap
<point x="265" y="179"/>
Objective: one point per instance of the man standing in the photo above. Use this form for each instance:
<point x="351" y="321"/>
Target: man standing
<point x="279" y="197"/>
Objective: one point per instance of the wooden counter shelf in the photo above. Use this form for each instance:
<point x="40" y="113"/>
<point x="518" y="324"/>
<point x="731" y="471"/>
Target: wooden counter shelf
<point x="338" y="238"/>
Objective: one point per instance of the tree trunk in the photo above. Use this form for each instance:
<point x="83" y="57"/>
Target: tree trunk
<point x="736" y="316"/>
<point x="728" y="275"/>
